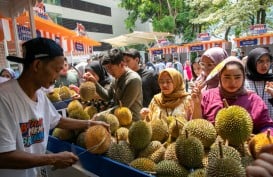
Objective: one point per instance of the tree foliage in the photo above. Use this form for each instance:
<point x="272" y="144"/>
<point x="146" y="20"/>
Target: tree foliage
<point x="188" y="17"/>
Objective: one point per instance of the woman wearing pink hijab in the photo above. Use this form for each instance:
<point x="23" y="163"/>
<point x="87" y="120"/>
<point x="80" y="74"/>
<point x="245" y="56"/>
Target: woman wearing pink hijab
<point x="211" y="58"/>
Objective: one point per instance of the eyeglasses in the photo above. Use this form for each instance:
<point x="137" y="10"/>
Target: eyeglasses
<point x="167" y="81"/>
<point x="207" y="65"/>
<point x="263" y="62"/>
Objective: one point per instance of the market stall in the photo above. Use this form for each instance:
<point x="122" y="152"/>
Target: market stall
<point x="247" y="43"/>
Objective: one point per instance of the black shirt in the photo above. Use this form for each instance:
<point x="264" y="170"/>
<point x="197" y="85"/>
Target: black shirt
<point x="150" y="85"/>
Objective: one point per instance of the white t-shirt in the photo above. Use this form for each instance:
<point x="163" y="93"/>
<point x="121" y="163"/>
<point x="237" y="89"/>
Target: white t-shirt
<point x="24" y="125"/>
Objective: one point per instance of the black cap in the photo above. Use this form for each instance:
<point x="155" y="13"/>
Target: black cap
<point x="38" y="48"/>
<point x="132" y="53"/>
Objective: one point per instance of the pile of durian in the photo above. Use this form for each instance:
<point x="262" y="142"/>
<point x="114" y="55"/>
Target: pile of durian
<point x="172" y="146"/>
<point x="86" y="92"/>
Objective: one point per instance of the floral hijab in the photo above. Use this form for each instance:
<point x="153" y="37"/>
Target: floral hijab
<point x="216" y="54"/>
<point x="251" y="69"/>
<point x="175" y="98"/>
<point x="241" y="90"/>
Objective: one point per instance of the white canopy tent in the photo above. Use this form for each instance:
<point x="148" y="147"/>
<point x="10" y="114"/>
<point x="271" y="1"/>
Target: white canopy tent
<point x="137" y="37"/>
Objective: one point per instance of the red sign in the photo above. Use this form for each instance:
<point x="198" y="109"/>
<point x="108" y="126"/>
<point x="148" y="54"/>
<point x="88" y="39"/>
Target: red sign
<point x="203" y="36"/>
<point x="258" y="29"/>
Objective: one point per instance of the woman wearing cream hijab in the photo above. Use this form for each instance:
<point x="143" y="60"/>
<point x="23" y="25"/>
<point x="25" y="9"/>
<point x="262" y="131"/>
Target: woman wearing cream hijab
<point x="173" y="100"/>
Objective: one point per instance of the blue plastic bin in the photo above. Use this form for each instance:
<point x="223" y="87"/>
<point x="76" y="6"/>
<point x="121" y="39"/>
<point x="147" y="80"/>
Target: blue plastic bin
<point x="97" y="164"/>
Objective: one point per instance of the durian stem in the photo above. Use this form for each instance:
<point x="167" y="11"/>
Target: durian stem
<point x="225" y="103"/>
<point x="116" y="135"/>
<point x="177" y="120"/>
<point x="220" y="149"/>
<point x="268" y="135"/>
<point x="187" y="134"/>
<point x="120" y="103"/>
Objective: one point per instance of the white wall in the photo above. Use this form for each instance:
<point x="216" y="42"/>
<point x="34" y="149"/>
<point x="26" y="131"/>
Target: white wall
<point x="116" y="20"/>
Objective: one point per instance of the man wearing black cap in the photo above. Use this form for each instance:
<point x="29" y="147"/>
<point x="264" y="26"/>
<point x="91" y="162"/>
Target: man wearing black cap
<point x="150" y="85"/>
<point x="126" y="85"/>
<point x="27" y="115"/>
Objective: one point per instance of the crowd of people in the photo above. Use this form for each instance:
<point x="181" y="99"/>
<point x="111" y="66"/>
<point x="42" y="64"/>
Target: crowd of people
<point x="191" y="90"/>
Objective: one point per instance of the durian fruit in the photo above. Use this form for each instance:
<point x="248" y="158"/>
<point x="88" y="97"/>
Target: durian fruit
<point x="111" y="119"/>
<point x="201" y="172"/>
<point x="159" y="130"/>
<point x="169" y="168"/>
<point x="176" y="126"/>
<point x="201" y="129"/>
<point x="158" y="155"/>
<point x="170" y="153"/>
<point x="74" y="105"/>
<point x="63" y="134"/>
<point x="151" y="148"/>
<point x="143" y="164"/>
<point x="54" y="96"/>
<point x="97" y="139"/>
<point x="79" y="114"/>
<point x="87" y="91"/>
<point x="189" y="151"/>
<point x="258" y="141"/>
<point x="120" y="152"/>
<point x="91" y="111"/>
<point x="124" y="115"/>
<point x="227" y="152"/>
<point x="225" y="167"/>
<point x="64" y="93"/>
<point x="81" y="139"/>
<point x="234" y="124"/>
<point x="140" y="134"/>
<point x="122" y="133"/>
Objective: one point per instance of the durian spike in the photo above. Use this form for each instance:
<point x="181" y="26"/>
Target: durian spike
<point x="220" y="150"/>
<point x="225" y="103"/>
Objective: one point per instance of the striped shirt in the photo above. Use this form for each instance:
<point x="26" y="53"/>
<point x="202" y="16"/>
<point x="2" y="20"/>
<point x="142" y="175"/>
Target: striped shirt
<point x="259" y="88"/>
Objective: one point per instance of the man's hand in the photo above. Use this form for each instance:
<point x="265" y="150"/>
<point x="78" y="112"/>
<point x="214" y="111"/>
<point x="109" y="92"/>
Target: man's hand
<point x="64" y="160"/>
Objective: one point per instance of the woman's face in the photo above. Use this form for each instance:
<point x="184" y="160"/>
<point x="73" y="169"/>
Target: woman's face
<point x="263" y="64"/>
<point x="196" y="69"/>
<point x="232" y="78"/>
<point x="207" y="65"/>
<point x="166" y="84"/>
<point x="63" y="72"/>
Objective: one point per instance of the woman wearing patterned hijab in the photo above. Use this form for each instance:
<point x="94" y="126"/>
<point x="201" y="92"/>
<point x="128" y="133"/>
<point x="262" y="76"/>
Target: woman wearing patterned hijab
<point x="173" y="100"/>
<point x="257" y="73"/>
<point x="208" y="61"/>
<point x="231" y="88"/>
